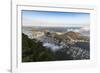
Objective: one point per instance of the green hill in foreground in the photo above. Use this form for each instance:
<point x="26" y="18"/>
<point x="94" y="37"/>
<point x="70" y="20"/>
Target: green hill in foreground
<point x="33" y="50"/>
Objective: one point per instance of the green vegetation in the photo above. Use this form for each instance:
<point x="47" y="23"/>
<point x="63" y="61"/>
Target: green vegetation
<point x="33" y="50"/>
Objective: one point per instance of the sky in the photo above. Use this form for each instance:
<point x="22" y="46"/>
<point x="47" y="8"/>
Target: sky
<point x="52" y="19"/>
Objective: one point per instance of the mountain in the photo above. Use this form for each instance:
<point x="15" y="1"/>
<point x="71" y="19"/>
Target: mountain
<point x="69" y="45"/>
<point x="73" y="35"/>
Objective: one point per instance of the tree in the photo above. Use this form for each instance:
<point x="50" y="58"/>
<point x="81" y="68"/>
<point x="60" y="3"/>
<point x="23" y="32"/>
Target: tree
<point x="33" y="50"/>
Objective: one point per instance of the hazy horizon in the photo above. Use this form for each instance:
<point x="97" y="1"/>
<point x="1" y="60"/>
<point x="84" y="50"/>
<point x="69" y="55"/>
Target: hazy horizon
<point x="53" y="19"/>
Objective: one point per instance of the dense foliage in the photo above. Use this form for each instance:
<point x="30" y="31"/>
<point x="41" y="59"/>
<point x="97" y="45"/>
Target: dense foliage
<point x="33" y="50"/>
